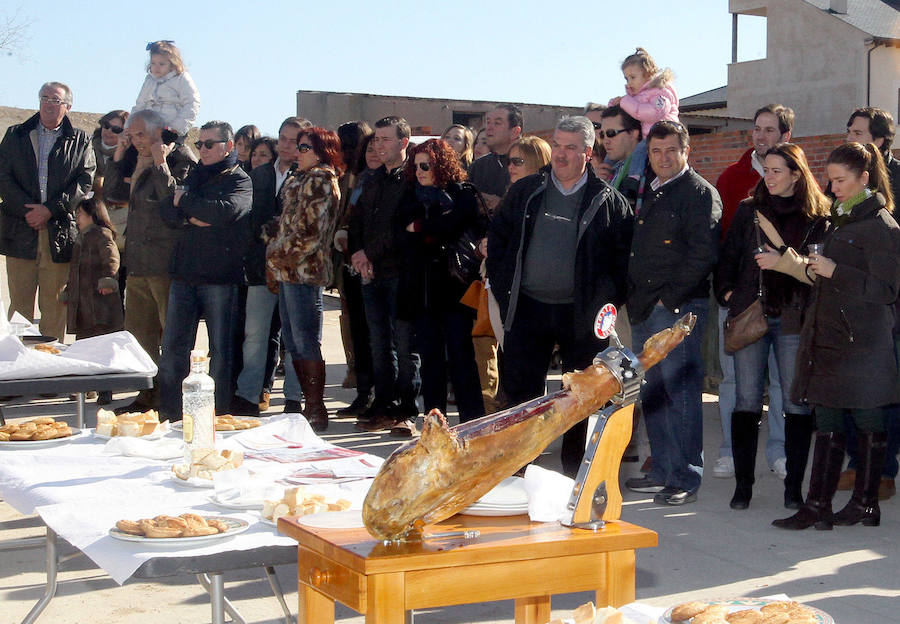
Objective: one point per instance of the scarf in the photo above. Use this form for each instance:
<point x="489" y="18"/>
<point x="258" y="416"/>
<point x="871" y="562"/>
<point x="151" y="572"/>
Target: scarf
<point x="840" y="211"/>
<point x="201" y="174"/>
<point x="433" y="195"/>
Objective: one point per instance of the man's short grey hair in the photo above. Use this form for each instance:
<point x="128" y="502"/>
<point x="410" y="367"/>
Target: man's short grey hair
<point x="578" y="124"/>
<point x="57" y="85"/>
<point x="152" y="120"/>
<point x="226" y="132"/>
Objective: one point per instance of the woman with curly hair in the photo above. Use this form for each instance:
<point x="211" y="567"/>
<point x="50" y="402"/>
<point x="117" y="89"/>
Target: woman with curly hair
<point x="299" y="258"/>
<point x="438" y="208"/>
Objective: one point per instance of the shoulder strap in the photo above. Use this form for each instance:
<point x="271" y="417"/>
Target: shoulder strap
<point x="771" y="233"/>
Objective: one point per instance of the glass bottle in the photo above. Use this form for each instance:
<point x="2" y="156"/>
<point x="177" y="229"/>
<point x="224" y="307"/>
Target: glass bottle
<point x="198" y="392"/>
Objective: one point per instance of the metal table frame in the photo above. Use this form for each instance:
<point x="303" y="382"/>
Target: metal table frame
<point x="75" y="384"/>
<point x="208" y="569"/>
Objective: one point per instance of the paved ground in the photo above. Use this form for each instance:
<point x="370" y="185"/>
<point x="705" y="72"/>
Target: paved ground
<point x="705" y="550"/>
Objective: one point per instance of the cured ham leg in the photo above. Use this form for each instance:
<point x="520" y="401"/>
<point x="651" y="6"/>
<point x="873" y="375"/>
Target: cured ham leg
<point x="446" y="470"/>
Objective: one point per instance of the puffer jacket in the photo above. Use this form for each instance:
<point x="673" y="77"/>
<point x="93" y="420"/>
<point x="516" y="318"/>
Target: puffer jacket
<point x="70" y="173"/>
<point x="846" y="356"/>
<point x="605" y="223"/>
<point x="300" y="252"/>
<point x="95" y="265"/>
<point x="150" y="243"/>
<point x="174" y="96"/>
<point x="212" y="254"/>
<point x="657" y="100"/>
<point x="675" y="245"/>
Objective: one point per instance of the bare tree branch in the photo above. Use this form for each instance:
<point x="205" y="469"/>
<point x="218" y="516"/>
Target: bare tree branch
<point x="14" y="32"/>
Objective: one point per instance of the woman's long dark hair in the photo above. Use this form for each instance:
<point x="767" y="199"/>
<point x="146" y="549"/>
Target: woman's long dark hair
<point x="96" y="210"/>
<point x="806" y="190"/>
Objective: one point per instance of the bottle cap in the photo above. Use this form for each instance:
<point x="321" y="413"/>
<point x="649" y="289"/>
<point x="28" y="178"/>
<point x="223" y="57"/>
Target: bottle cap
<point x="198" y="355"/>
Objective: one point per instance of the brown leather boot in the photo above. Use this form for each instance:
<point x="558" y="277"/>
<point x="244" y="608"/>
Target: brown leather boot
<point x="828" y="458"/>
<point x="311" y="374"/>
<point x="863" y="504"/>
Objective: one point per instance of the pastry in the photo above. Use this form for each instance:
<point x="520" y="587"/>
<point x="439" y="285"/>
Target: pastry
<point x="131" y="527"/>
<point x="745" y="616"/>
<point x="714" y="614"/>
<point x="47" y="348"/>
<point x="687" y="610"/>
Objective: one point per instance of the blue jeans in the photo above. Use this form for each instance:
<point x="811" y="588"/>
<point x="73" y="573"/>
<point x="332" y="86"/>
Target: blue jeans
<point x="727" y="399"/>
<point x="395" y="358"/>
<point x="301" y="320"/>
<point x="672" y="400"/>
<point x="261" y="303"/>
<point x="188" y="303"/>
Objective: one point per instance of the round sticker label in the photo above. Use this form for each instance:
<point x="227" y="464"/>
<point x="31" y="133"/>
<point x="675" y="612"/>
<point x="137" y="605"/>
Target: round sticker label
<point x="605" y="323"/>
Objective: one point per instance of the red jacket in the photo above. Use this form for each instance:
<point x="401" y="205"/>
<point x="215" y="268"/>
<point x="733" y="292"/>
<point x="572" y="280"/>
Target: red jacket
<point x="735" y="185"/>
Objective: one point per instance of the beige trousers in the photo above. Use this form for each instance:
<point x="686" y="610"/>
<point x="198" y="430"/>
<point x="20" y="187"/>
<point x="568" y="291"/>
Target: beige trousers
<point x="44" y="277"/>
<point x="146" y="302"/>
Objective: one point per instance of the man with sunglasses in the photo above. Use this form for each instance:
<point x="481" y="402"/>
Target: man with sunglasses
<point x="211" y="215"/>
<point x="143" y="183"/>
<point x="46" y="167"/>
<point x="557" y="252"/>
<point x="619" y="133"/>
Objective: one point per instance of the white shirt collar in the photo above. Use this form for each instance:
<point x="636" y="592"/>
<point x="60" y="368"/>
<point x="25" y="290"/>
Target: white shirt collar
<point x="656" y="184"/>
<point x="581" y="182"/>
<point x="279" y="176"/>
<point x="756" y="163"/>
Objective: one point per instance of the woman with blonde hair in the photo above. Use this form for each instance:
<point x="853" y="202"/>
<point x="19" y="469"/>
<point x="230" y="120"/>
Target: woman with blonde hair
<point x="462" y="140"/>
<point x="526" y="157"/>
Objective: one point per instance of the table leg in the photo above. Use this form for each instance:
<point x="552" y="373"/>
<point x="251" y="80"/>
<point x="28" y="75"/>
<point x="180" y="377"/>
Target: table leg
<point x="50" y="590"/>
<point x="79" y="410"/>
<point x="314" y="607"/>
<point x="217" y="597"/>
<point x="385" y="603"/>
<point x="618" y="589"/>
<point x="207" y="583"/>
<point x="533" y="610"/>
<point x="279" y="593"/>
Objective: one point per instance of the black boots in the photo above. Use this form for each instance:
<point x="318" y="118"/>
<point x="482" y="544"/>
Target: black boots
<point x="798" y="430"/>
<point x="828" y="458"/>
<point x="311" y="374"/>
<point x="863" y="504"/>
<point x="744" y="435"/>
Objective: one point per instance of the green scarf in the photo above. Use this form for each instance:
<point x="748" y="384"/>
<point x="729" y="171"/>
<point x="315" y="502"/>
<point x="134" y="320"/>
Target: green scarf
<point x="623" y="171"/>
<point x="840" y="211"/>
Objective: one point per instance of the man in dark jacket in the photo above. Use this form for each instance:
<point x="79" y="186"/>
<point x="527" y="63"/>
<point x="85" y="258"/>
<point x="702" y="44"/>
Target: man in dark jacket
<point x="490" y="173"/>
<point x="373" y="245"/>
<point x="143" y="183"/>
<point x="675" y="247"/>
<point x="46" y="167"/>
<point x="262" y="321"/>
<point x="206" y="266"/>
<point x="557" y="252"/>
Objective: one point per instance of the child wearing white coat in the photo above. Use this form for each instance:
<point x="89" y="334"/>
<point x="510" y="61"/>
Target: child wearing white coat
<point x="168" y="89"/>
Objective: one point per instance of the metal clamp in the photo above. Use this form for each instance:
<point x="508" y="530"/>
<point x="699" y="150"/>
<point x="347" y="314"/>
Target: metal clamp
<point x="626" y="368"/>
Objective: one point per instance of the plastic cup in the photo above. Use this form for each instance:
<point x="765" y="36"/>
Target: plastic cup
<point x="816" y="248"/>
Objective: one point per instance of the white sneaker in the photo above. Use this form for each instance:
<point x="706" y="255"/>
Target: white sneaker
<point x="780" y="467"/>
<point x="723" y="468"/>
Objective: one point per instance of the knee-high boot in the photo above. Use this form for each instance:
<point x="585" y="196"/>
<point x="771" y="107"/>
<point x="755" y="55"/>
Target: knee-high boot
<point x="744" y="435"/>
<point x="311" y="374"/>
<point x="863" y="504"/>
<point x="798" y="430"/>
<point x="828" y="458"/>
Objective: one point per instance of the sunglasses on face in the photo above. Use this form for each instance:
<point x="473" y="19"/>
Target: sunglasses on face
<point x="424" y="166"/>
<point x="518" y="162"/>
<point x="114" y="129"/>
<point x="303" y="147"/>
<point x="597" y="125"/>
<point x="208" y="143"/>
<point x="609" y="133"/>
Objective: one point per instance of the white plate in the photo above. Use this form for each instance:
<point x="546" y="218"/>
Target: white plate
<point x="31" y="444"/>
<point x="235" y="504"/>
<point x="156" y="435"/>
<point x="739" y="604"/>
<point x="474" y="511"/>
<point x="265" y="520"/>
<point x="236" y="525"/>
<point x="508" y="492"/>
<point x="193" y="482"/>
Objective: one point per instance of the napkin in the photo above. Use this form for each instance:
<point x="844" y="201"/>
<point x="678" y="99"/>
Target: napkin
<point x="548" y="494"/>
<point x="242" y="486"/>
<point x="165" y="448"/>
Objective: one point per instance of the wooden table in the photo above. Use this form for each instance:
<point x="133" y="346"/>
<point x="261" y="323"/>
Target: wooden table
<point x="513" y="558"/>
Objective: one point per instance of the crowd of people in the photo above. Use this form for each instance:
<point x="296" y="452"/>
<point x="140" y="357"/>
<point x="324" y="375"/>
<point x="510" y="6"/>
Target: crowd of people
<point x="468" y="262"/>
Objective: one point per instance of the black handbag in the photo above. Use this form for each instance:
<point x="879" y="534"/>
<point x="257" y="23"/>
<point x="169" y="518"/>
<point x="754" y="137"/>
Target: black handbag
<point x="750" y="325"/>
<point x="463" y="258"/>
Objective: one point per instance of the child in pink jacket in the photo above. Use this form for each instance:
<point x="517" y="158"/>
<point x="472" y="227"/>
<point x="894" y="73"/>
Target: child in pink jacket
<point x="651" y="97"/>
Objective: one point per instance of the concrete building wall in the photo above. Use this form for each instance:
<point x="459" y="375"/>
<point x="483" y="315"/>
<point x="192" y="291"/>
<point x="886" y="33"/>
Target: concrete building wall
<point x="815" y="63"/>
<point x="425" y="115"/>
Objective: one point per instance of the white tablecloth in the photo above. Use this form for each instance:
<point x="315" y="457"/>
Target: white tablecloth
<point x="80" y="492"/>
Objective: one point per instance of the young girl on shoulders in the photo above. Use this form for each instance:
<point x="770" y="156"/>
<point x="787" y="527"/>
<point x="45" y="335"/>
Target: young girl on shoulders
<point x="650" y="97"/>
<point x="168" y="88"/>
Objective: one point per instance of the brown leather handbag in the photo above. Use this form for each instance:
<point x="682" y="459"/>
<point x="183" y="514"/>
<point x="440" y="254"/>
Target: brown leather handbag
<point x="750" y="325"/>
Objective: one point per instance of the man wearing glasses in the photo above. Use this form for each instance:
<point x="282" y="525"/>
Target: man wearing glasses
<point x="619" y="133"/>
<point x="211" y="213"/>
<point x="143" y="183"/>
<point x="46" y="167"/>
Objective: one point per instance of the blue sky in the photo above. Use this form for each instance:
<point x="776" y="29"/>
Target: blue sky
<point x="249" y="58"/>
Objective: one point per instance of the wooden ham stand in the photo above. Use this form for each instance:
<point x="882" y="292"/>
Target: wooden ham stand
<point x="512" y="558"/>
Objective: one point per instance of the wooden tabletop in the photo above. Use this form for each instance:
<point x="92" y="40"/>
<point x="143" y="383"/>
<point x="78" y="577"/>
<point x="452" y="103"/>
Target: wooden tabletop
<point x="503" y="538"/>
